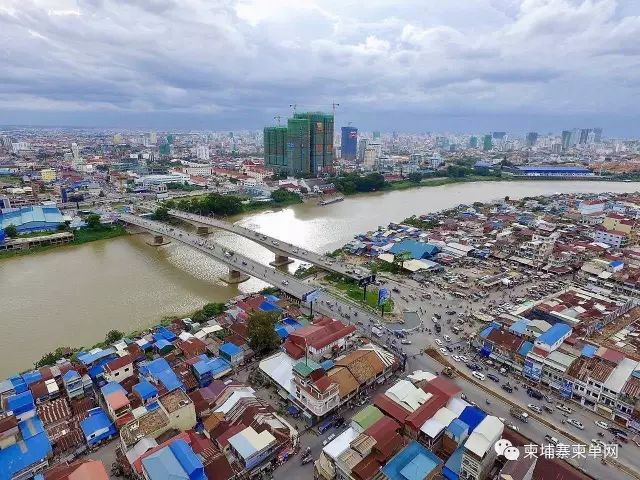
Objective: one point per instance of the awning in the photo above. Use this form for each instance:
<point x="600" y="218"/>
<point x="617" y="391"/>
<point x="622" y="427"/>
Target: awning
<point x="292" y="410"/>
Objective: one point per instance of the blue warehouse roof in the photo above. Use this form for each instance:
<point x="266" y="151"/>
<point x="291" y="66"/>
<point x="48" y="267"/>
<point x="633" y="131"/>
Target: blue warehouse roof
<point x="31" y="217"/>
<point x="416" y="249"/>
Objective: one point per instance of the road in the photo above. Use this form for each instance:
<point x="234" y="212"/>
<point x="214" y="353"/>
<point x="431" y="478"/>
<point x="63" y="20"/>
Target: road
<point x="277" y="246"/>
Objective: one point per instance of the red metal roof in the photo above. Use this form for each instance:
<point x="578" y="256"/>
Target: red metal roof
<point x="118" y="363"/>
<point x="391" y="408"/>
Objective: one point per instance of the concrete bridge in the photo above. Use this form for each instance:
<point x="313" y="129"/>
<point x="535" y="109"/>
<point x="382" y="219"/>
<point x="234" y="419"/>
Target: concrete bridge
<point x="242" y="267"/>
<point x="283" y="251"/>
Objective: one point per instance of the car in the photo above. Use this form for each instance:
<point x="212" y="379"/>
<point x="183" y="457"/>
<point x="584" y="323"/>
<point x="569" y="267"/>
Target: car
<point x="444" y="352"/>
<point x="329" y="439"/>
<point x="532" y="392"/>
<point x="513" y="427"/>
<point x="602" y="424"/>
<point x="439" y="342"/>
<point x="244" y="263"/>
<point x="456" y="358"/>
<point x="285" y="282"/>
<point x="493" y="377"/>
<point x="404" y="341"/>
<point x="463" y="359"/>
<point x="534" y="408"/>
<point x="596" y="441"/>
<point x="575" y="423"/>
<point x="447" y="338"/>
<point x="617" y="431"/>
<point x="478" y="375"/>
<point x="507" y="388"/>
<point x="551" y="439"/>
<point x="437" y="315"/>
<point x="547" y="408"/>
<point x="434" y="319"/>
<point x="564" y="408"/>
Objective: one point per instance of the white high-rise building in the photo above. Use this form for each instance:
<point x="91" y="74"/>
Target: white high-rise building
<point x="202" y="152"/>
<point x="153" y="138"/>
<point x="75" y="150"/>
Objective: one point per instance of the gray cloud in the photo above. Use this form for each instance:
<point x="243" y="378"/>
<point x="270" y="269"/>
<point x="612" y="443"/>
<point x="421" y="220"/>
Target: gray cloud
<point x="248" y="59"/>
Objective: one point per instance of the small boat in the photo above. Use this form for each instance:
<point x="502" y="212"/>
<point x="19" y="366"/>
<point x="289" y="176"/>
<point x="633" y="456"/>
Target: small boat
<point x="329" y="201"/>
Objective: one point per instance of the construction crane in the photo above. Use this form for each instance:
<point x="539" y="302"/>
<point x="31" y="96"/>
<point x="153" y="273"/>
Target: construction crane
<point x="333" y="106"/>
<point x="277" y="119"/>
<point x="294" y="106"/>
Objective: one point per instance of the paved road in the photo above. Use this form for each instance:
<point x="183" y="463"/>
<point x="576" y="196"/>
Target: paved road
<point x="277" y="246"/>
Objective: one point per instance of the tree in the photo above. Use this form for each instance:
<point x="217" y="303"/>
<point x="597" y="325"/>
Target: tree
<point x="415" y="177"/>
<point x="161" y="213"/>
<point x="401" y="257"/>
<point x="113" y="336"/>
<point x="11" y="231"/>
<point x="212" y="309"/>
<point x="262" y="337"/>
<point x="93" y="221"/>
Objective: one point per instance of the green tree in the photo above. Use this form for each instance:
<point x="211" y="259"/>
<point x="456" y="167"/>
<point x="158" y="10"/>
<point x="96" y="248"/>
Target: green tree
<point x="212" y="309"/>
<point x="113" y="336"/>
<point x="262" y="337"/>
<point x="93" y="221"/>
<point x="401" y="257"/>
<point x="11" y="231"/>
<point x="161" y="213"/>
<point x="281" y="195"/>
<point x="415" y="177"/>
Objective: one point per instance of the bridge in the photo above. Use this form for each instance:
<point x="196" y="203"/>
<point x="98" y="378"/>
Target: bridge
<point x="283" y="251"/>
<point x="242" y="267"/>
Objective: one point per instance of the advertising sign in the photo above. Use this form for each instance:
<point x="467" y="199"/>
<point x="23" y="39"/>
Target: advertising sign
<point x="383" y="296"/>
<point x="311" y="296"/>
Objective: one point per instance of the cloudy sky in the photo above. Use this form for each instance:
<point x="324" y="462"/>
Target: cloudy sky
<point x="406" y="65"/>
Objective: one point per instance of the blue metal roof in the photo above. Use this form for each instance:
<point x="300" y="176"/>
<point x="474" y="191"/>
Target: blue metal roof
<point x="165" y="333"/>
<point x="230" y="349"/>
<point x="588" y="351"/>
<point x="519" y="327"/>
<point x="188" y="460"/>
<point x="145" y="389"/>
<point x="162" y="344"/>
<point x="485" y="333"/>
<point x="89" y="358"/>
<point x="154" y="366"/>
<point x="525" y="348"/>
<point x="616" y="263"/>
<point x="163" y="465"/>
<point x="282" y="332"/>
<point x="472" y="416"/>
<point x="20" y="403"/>
<point x="269" y="307"/>
<point x="555" y="333"/>
<point x="416" y="249"/>
<point x="97" y="420"/>
<point x="170" y="380"/>
<point x="451" y="469"/>
<point x="17" y="457"/>
<point x="112" y="387"/>
<point x="458" y="428"/>
<point x="32" y="377"/>
<point x="26" y="217"/>
<point x="414" y="462"/>
<point x="327" y="365"/>
<point x="272" y="298"/>
<point x="70" y="375"/>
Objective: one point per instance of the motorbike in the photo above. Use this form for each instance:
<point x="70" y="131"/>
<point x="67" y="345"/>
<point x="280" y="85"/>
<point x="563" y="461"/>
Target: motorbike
<point x="600" y="434"/>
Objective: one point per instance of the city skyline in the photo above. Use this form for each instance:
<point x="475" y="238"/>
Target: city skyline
<point x="534" y="65"/>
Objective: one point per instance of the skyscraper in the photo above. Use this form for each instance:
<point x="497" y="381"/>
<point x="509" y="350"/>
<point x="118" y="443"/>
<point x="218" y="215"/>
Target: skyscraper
<point x="597" y="135"/>
<point x="566" y="139"/>
<point x="75" y="150"/>
<point x="275" y="147"/>
<point x="309" y="144"/>
<point x="487" y="144"/>
<point x="473" y="142"/>
<point x="349" y="143"/>
<point x="376" y="135"/>
<point x="532" y="138"/>
<point x="584" y="135"/>
<point x="499" y="135"/>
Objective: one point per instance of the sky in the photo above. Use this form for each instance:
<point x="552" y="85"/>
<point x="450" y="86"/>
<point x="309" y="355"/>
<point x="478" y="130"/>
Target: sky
<point x="391" y="65"/>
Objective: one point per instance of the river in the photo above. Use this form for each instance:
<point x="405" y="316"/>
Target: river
<point x="74" y="295"/>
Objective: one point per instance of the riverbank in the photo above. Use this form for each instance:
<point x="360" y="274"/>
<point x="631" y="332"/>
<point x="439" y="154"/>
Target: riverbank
<point x="80" y="237"/>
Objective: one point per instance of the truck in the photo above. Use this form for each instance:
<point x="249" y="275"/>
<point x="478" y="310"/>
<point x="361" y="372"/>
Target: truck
<point x="520" y="414"/>
<point x="449" y="372"/>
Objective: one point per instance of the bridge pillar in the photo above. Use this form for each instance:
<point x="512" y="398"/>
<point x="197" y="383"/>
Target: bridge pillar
<point x="202" y="230"/>
<point x="235" y="276"/>
<point x="158" y="240"/>
<point x="280" y="261"/>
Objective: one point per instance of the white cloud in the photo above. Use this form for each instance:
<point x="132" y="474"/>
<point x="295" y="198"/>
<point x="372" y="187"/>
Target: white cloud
<point x="257" y="56"/>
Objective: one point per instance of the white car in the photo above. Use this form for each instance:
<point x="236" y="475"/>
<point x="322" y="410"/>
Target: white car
<point x="447" y="338"/>
<point x="404" y="341"/>
<point x="564" y="408"/>
<point x="329" y="439"/>
<point x="575" y="423"/>
<point x="513" y="427"/>
<point x="602" y="424"/>
<point x="444" y="352"/>
<point x="597" y="441"/>
<point x="456" y="358"/>
<point x="439" y="343"/>
<point x="463" y="359"/>
<point x="285" y="282"/>
<point x="478" y="375"/>
<point x="434" y="319"/>
<point x="535" y="408"/>
<point x="551" y="439"/>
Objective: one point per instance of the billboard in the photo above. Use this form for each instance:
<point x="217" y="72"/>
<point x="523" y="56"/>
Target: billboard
<point x="383" y="296"/>
<point x="311" y="296"/>
<point x="366" y="280"/>
<point x="532" y="370"/>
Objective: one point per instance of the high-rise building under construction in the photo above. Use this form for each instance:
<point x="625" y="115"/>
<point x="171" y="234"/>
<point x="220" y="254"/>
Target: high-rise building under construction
<point x="303" y="147"/>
